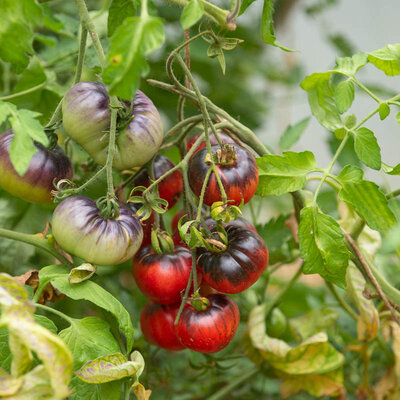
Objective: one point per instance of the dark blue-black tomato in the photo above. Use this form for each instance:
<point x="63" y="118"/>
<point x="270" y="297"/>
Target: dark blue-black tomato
<point x="79" y="229"/>
<point x="210" y="330"/>
<point x="46" y="168"/>
<point x="239" y="179"/>
<point x="239" y="266"/>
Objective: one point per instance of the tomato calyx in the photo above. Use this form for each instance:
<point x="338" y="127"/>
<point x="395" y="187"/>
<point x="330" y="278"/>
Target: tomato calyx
<point x="199" y="303"/>
<point x="150" y="202"/>
<point x="161" y="241"/>
<point x="226" y="156"/>
<point x="108" y="207"/>
<point x="224" y="212"/>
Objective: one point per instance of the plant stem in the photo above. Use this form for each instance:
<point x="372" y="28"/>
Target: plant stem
<point x="54" y="311"/>
<point x="24" y="92"/>
<point x="366" y="90"/>
<point x="184" y="298"/>
<point x="35" y="240"/>
<point x="235" y="382"/>
<point x="81" y="54"/>
<point x="346" y="307"/>
<point x="202" y="193"/>
<point x="194" y="270"/>
<point x="111" y="149"/>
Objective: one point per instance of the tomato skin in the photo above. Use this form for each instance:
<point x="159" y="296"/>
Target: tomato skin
<point x="45" y="167"/>
<point x="157" y="324"/>
<point x="79" y="229"/>
<point x="239" y="266"/>
<point x="211" y="330"/>
<point x="86" y="118"/>
<point x="239" y="221"/>
<point x="240" y="180"/>
<point x="162" y="277"/>
<point x="171" y="187"/>
<point x="223" y="136"/>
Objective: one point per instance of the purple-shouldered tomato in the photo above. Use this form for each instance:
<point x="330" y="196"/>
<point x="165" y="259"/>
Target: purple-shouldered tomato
<point x="157" y="324"/>
<point x="210" y="330"/>
<point x="170" y="188"/>
<point x="79" y="229"/>
<point x="162" y="277"/>
<point x="239" y="266"/>
<point x="239" y="178"/>
<point x="223" y="136"/>
<point x="46" y="168"/>
<point x="86" y="119"/>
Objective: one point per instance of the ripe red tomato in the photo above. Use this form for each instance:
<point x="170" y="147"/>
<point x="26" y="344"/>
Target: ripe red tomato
<point x="211" y="330"/>
<point x="162" y="277"/>
<point x="239" y="179"/>
<point x="239" y="266"/>
<point x="171" y="187"/>
<point x="157" y="323"/>
<point x="45" y="168"/>
<point x="223" y="136"/>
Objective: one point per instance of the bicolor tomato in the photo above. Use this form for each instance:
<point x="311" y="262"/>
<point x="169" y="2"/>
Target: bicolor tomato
<point x="170" y="188"/>
<point x="86" y="119"/>
<point x="213" y="140"/>
<point x="79" y="229"/>
<point x="162" y="277"/>
<point x="239" y="178"/>
<point x="239" y="266"/>
<point x="157" y="324"/>
<point x="46" y="168"/>
<point x="211" y="330"/>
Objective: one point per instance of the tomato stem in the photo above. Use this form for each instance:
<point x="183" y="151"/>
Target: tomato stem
<point x="56" y="312"/>
<point x="184" y="298"/>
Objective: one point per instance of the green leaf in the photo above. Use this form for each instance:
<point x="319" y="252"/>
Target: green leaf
<point x="387" y="59"/>
<point x="384" y="111"/>
<point x="215" y="50"/>
<point x="46" y="323"/>
<point x="5" y="353"/>
<point x="292" y="134"/>
<point x="351" y="65"/>
<point x="89" y="338"/>
<point x="321" y="97"/>
<point x="111" y="367"/>
<point x="267" y="25"/>
<point x="82" y="273"/>
<point x="283" y="174"/>
<point x="322" y="246"/>
<point x="370" y="204"/>
<point x="9" y="385"/>
<point x="349" y="121"/>
<point x="245" y="5"/>
<point x="118" y="12"/>
<point x="132" y="41"/>
<point x="88" y="391"/>
<point x="394" y="171"/>
<point x="16" y="35"/>
<point x="344" y="95"/>
<point x="351" y="173"/>
<point x="192" y="13"/>
<point x="88" y="290"/>
<point x="367" y="148"/>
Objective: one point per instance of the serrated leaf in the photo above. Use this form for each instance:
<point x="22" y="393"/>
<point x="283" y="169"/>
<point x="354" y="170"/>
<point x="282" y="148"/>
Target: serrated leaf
<point x="283" y="174"/>
<point x="387" y="59"/>
<point x="351" y="65"/>
<point x="367" y="148"/>
<point x="110" y="368"/>
<point x="384" y="110"/>
<point x="322" y="246"/>
<point x="321" y="97"/>
<point x="132" y="41"/>
<point x="370" y="203"/>
<point x="192" y="13"/>
<point x="118" y="11"/>
<point x="368" y="321"/>
<point x="88" y="290"/>
<point x="344" y="95"/>
<point x="16" y="33"/>
<point x="267" y="25"/>
<point x="351" y="173"/>
<point x="292" y="134"/>
<point x="349" y="121"/>
<point x="82" y="273"/>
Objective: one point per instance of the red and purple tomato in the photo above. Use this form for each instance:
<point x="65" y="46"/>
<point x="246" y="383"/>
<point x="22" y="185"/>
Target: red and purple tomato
<point x="213" y="140"/>
<point x="239" y="266"/>
<point x="46" y="168"/>
<point x="162" y="277"/>
<point x="211" y="330"/>
<point x="239" y="179"/>
<point x="157" y="324"/>
<point x="171" y="187"/>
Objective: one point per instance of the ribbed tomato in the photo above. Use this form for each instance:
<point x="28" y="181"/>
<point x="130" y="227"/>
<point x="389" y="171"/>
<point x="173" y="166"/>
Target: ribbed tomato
<point x="240" y="179"/>
<point x="162" y="277"/>
<point x="46" y="168"/>
<point x="170" y="188"/>
<point x="157" y="323"/>
<point x="239" y="266"/>
<point x="79" y="229"/>
<point x="86" y="119"/>
<point x="223" y="136"/>
<point x="211" y="330"/>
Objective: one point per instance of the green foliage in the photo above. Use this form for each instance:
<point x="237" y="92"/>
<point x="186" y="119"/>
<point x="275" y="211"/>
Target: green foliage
<point x="367" y="148"/>
<point x="293" y="133"/>
<point x="386" y="59"/>
<point x="120" y="10"/>
<point x="192" y="12"/>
